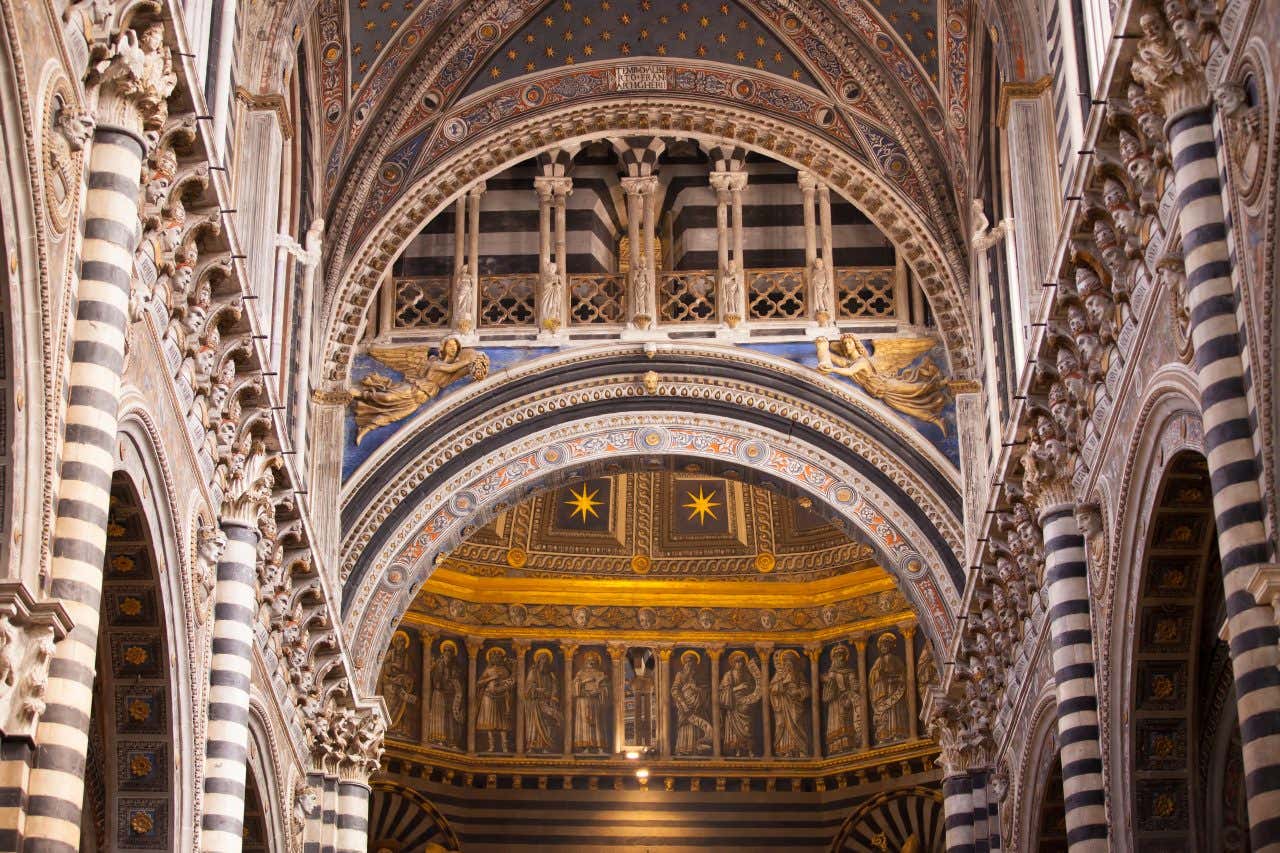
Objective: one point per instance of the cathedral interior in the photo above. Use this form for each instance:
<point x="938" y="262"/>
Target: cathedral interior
<point x="639" y="425"/>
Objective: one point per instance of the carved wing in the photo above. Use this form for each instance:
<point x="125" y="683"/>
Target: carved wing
<point x="893" y="354"/>
<point x="412" y="361"/>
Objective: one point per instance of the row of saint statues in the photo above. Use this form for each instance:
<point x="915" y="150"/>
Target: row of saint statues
<point x="748" y="703"/>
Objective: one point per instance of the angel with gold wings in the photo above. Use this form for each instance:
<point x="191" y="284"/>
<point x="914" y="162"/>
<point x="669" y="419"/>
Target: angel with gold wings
<point x="917" y="391"/>
<point x="381" y="400"/>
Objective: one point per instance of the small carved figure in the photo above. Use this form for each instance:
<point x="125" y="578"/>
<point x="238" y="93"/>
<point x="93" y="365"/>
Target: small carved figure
<point x="739" y="691"/>
<point x="381" y="401"/>
<point x="645" y="313"/>
<point x="493" y="689"/>
<point x="541" y="705"/>
<point x="551" y="304"/>
<point x="398" y="685"/>
<point x="693" y="729"/>
<point x="926" y="671"/>
<point x="590" y="704"/>
<point x="445" y="713"/>
<point x="788" y="695"/>
<point x="888" y="680"/>
<point x="820" y="286"/>
<point x="886" y="375"/>
<point x="210" y="543"/>
<point x="731" y="292"/>
<point x="842" y="695"/>
<point x="464" y="301"/>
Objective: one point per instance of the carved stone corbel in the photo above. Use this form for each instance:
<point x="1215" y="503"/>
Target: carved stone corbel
<point x="28" y="631"/>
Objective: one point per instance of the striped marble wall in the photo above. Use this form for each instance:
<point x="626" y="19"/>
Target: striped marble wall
<point x="578" y="813"/>
<point x="772" y="219"/>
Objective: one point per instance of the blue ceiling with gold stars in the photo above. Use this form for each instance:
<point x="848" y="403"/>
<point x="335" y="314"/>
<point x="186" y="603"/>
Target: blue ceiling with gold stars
<point x="916" y="22"/>
<point x="568" y="32"/>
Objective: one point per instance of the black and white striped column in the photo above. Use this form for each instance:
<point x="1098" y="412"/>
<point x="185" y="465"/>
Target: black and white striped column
<point x="1233" y="471"/>
<point x="981" y="836"/>
<point x="957" y="806"/>
<point x="1066" y="584"/>
<point x="353" y="816"/>
<point x="227" y="747"/>
<point x="111" y="234"/>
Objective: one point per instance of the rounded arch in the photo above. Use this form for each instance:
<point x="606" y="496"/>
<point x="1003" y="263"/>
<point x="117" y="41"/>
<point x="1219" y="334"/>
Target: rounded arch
<point x="1036" y="762"/>
<point x="1168" y="423"/>
<point x="934" y="258"/>
<point x="141" y="776"/>
<point x="405" y="818"/>
<point x="268" y="823"/>
<point x="449" y="501"/>
<point x="894" y="817"/>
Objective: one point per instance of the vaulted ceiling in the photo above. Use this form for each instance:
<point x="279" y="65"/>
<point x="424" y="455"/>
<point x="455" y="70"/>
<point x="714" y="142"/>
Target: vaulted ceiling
<point x="405" y="85"/>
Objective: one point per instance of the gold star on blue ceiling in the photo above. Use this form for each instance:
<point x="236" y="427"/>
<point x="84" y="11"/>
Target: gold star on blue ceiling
<point x="566" y="33"/>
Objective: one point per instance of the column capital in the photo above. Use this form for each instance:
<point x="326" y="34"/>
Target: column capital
<point x="728" y="181"/>
<point x="813" y="651"/>
<point x="807" y="181"/>
<point x="521" y="645"/>
<point x="135" y="84"/>
<point x="1167" y="67"/>
<point x="555" y="186"/>
<point x="248" y="477"/>
<point x="616" y="651"/>
<point x="1047" y="464"/>
<point x="473" y="643"/>
<point x="715" y="650"/>
<point x="477" y="189"/>
<point x="641" y="185"/>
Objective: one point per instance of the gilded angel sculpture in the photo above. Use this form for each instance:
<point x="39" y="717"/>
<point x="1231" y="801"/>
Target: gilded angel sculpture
<point x="917" y="391"/>
<point x="380" y="400"/>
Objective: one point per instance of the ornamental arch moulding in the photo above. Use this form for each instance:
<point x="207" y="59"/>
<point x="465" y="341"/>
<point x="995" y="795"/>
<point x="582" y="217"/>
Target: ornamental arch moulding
<point x="933" y="257"/>
<point x="442" y="509"/>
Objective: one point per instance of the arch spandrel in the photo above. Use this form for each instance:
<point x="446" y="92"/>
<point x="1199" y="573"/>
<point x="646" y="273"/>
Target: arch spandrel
<point x="377" y="595"/>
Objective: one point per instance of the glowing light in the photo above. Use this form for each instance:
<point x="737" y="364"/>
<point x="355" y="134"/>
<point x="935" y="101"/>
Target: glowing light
<point x="633" y="754"/>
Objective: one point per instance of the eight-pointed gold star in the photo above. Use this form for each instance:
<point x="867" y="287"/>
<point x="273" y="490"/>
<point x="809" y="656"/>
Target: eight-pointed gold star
<point x="584" y="503"/>
<point x="702" y="505"/>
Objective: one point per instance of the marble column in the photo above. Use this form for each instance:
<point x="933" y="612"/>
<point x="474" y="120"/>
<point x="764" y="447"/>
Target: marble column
<point x="824" y="300"/>
<point x="913" y="698"/>
<point x="474" y="645"/>
<point x="815" y="701"/>
<point x="714" y="652"/>
<point x="132" y="102"/>
<point x="978" y="795"/>
<point x="459" y="235"/>
<point x="957" y="806"/>
<point x="664" y="711"/>
<point x="425" y="704"/>
<point x="729" y="278"/>
<point x="808" y="184"/>
<point x="642" y="302"/>
<point x="522" y="654"/>
<point x="765" y="650"/>
<point x="569" y="650"/>
<point x="738" y="185"/>
<point x="616" y="654"/>
<point x="246" y="502"/>
<point x="860" y="646"/>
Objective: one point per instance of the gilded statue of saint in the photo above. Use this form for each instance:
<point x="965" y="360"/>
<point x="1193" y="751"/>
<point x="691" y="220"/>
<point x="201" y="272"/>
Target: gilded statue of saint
<point x="493" y="689"/>
<point x="693" y="729"/>
<point x="788" y="695"/>
<point x="889" y="692"/>
<point x="445" y="713"/>
<point x="380" y="400"/>
<point x="590" y="700"/>
<point x="842" y="694"/>
<point x="739" y="691"/>
<point x="541" y="706"/>
<point x="398" y="685"/>
<point x="920" y="392"/>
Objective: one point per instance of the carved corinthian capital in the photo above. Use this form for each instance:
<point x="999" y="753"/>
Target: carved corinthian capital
<point x="1165" y="67"/>
<point x="135" y="82"/>
<point x="1047" y="464"/>
<point x="248" y="477"/>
